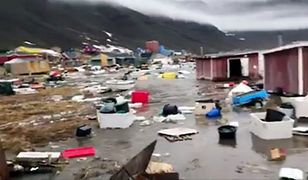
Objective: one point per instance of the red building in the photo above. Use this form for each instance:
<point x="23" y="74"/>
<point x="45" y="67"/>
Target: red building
<point x="229" y="65"/>
<point x="286" y="67"/>
<point x="152" y="46"/>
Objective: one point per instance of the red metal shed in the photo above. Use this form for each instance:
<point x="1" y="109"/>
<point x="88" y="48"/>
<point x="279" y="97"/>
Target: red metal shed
<point x="228" y="65"/>
<point x="152" y="46"/>
<point x="286" y="67"/>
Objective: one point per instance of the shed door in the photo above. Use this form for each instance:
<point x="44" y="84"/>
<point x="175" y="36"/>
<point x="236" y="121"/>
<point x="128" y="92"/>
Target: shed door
<point x="245" y="66"/>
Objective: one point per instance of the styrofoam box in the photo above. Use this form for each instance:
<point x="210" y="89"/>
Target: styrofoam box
<point x="115" y="120"/>
<point x="271" y="130"/>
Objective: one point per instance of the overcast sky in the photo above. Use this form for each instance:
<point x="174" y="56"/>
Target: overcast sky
<point x="225" y="14"/>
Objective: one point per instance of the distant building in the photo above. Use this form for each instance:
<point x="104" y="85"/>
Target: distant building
<point x="152" y="46"/>
<point x="27" y="66"/>
<point x="230" y="65"/>
<point x="286" y="67"/>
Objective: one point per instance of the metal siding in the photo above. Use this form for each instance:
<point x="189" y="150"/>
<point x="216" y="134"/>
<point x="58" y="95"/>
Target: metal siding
<point x="253" y="61"/>
<point x="203" y="68"/>
<point x="305" y="69"/>
<point x="281" y="70"/>
<point x="220" y="69"/>
<point x="207" y="69"/>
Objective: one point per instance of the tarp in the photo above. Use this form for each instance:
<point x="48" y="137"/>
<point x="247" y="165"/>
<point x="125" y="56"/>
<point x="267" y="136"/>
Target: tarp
<point x="28" y="50"/>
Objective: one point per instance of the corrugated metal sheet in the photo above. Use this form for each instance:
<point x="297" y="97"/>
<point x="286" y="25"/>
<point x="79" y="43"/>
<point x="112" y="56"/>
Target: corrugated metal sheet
<point x="220" y="69"/>
<point x="203" y="68"/>
<point x="281" y="70"/>
<point x="305" y="69"/>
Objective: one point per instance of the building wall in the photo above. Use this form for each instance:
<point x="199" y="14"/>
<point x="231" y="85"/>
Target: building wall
<point x="305" y="69"/>
<point x="281" y="70"/>
<point x="220" y="69"/>
<point x="253" y="62"/>
<point x="203" y="68"/>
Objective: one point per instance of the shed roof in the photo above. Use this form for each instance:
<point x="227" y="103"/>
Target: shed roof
<point x="288" y="46"/>
<point x="229" y="54"/>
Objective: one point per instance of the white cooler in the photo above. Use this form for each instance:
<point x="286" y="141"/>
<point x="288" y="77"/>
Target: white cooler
<point x="115" y="120"/>
<point x="271" y="130"/>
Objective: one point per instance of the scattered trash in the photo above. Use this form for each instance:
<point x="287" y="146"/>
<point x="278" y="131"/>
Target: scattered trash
<point x="277" y="154"/>
<point x="57" y="98"/>
<point x="140" y="167"/>
<point x="91" y="118"/>
<point x="186" y="109"/>
<point x="78" y="98"/>
<point x="146" y="123"/>
<point x="139" y="118"/>
<point x="303" y="131"/>
<point x="83" y="131"/>
<point x="38" y="156"/>
<point x="184" y="72"/>
<point x="291" y="173"/>
<point x="299" y="104"/>
<point x="177" y="134"/>
<point x="159" y="168"/>
<point x="235" y="124"/>
<point x="169" y="75"/>
<point x="78" y="152"/>
<point x="120" y="85"/>
<point x="135" y="105"/>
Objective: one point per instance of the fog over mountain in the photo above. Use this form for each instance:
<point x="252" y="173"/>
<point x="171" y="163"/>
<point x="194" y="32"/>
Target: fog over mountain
<point x="227" y="15"/>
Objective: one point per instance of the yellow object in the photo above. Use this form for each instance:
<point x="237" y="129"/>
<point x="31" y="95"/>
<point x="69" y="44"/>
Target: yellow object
<point x="104" y="60"/>
<point x="169" y="75"/>
<point x="27" y="50"/>
<point x="28" y="67"/>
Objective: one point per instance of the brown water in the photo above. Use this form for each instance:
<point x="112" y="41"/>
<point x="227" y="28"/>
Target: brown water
<point x="203" y="157"/>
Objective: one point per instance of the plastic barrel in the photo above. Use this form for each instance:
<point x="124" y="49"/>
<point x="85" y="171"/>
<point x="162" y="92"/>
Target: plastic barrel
<point x="227" y="132"/>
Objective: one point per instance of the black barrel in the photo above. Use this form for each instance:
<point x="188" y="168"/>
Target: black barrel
<point x="227" y="132"/>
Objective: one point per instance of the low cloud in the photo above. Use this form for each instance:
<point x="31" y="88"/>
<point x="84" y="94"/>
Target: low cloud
<point x="228" y="15"/>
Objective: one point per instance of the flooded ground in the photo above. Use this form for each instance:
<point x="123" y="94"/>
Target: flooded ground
<point x="203" y="157"/>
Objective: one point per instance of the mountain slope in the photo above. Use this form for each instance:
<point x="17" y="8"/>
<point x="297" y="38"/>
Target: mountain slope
<point x="68" y="25"/>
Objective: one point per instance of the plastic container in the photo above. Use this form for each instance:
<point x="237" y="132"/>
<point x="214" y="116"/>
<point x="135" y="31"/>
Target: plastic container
<point x="78" y="152"/>
<point x="169" y="75"/>
<point x="227" y="132"/>
<point x="83" y="131"/>
<point x="287" y="109"/>
<point x="214" y="113"/>
<point x="271" y="130"/>
<point x="140" y="97"/>
<point x="115" y="120"/>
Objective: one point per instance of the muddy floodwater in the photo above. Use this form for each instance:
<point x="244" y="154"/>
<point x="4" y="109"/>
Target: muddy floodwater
<point x="203" y="157"/>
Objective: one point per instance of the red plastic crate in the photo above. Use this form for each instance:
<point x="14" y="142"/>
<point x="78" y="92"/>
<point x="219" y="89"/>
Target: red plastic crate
<point x="78" y="152"/>
<point x="140" y="97"/>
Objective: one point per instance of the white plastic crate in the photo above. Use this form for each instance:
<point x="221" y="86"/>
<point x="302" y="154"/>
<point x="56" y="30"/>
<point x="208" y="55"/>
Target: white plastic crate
<point x="271" y="130"/>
